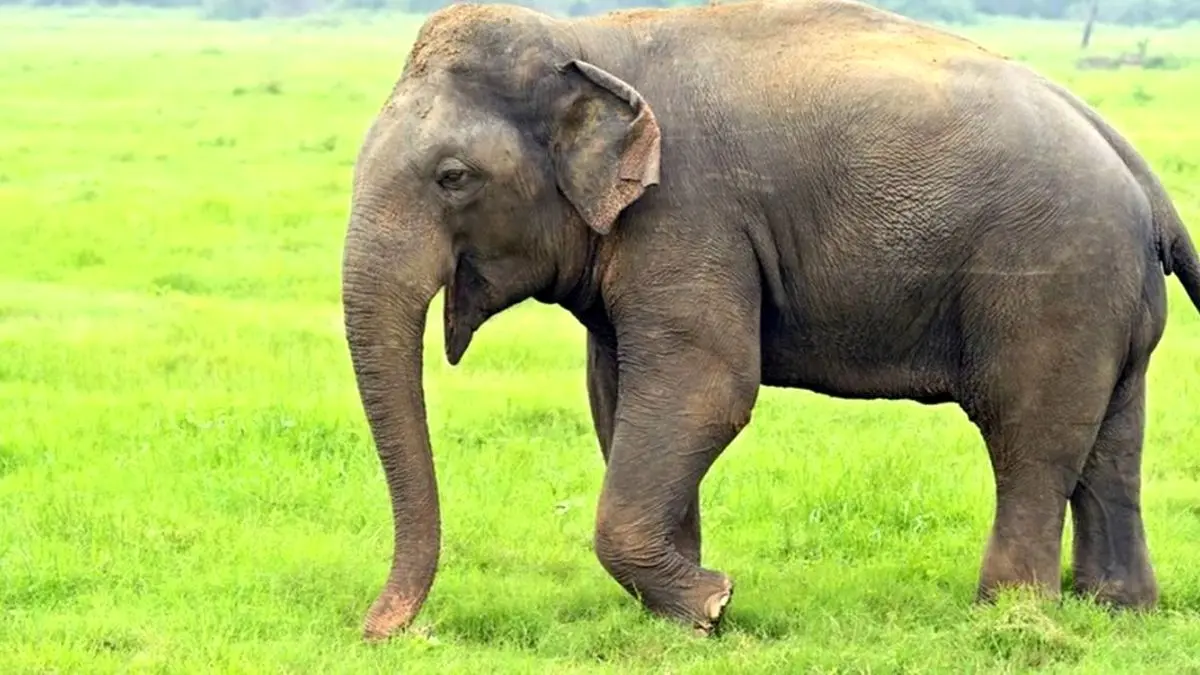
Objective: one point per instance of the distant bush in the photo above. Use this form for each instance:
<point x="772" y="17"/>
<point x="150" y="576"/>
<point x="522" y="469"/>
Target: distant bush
<point x="239" y="10"/>
<point x="1162" y="13"/>
<point x="365" y="4"/>
<point x="233" y="10"/>
<point x="948" y="11"/>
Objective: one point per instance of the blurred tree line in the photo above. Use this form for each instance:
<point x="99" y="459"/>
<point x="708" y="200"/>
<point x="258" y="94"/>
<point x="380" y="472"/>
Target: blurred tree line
<point x="1159" y="13"/>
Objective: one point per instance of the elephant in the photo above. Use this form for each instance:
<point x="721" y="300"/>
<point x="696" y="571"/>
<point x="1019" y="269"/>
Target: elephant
<point x="808" y="194"/>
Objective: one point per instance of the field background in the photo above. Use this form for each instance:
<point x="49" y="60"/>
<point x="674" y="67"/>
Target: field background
<point x="186" y="479"/>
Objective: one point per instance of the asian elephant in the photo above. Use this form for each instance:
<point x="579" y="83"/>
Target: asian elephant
<point x="815" y="194"/>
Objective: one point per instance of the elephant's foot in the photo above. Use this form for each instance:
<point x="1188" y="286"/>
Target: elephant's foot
<point x="714" y="609"/>
<point x="701" y="605"/>
<point x="668" y="584"/>
<point x="389" y="614"/>
<point x="1009" y="566"/>
<point x="1119" y="593"/>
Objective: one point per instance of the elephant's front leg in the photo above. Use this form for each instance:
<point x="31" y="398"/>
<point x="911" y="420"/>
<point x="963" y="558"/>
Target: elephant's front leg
<point x="682" y="400"/>
<point x="602" y="379"/>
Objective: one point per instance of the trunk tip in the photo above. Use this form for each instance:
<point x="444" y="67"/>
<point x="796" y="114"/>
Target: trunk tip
<point x="390" y="614"/>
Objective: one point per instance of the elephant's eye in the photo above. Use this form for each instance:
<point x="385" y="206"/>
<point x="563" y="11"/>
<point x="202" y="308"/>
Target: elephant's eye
<point x="452" y="178"/>
<point x="458" y="180"/>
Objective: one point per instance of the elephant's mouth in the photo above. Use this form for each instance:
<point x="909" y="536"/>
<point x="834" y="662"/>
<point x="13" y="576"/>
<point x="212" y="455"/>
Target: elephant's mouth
<point x="465" y="308"/>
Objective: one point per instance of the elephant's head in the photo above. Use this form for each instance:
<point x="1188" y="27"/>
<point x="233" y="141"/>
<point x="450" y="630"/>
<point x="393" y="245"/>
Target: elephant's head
<point x="497" y="162"/>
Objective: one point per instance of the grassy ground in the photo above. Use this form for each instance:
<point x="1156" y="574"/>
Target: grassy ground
<point x="186" y="481"/>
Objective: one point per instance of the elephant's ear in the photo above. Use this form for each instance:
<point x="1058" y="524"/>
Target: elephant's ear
<point x="606" y="145"/>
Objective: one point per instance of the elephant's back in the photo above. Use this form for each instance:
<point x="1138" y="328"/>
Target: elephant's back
<point x="761" y="59"/>
<point x="778" y="39"/>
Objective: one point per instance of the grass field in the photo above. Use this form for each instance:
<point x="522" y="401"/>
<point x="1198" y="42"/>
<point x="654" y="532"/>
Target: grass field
<point x="186" y="479"/>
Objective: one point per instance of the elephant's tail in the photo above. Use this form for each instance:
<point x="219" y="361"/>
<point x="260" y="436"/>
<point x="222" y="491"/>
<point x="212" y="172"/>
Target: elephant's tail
<point x="1176" y="252"/>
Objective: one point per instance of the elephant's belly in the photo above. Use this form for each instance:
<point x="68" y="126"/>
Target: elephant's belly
<point x="858" y="362"/>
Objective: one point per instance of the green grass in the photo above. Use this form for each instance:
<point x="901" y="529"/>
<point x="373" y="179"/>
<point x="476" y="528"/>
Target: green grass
<point x="186" y="479"/>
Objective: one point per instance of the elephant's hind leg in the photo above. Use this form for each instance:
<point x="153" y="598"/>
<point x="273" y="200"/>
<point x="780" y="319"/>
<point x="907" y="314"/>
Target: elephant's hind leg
<point x="1111" y="561"/>
<point x="1040" y="413"/>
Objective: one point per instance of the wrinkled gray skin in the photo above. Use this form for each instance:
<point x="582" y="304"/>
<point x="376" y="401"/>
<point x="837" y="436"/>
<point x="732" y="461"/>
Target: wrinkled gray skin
<point x="818" y="195"/>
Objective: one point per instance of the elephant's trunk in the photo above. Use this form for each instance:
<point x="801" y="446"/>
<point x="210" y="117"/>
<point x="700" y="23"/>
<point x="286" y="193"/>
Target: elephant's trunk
<point x="390" y="275"/>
